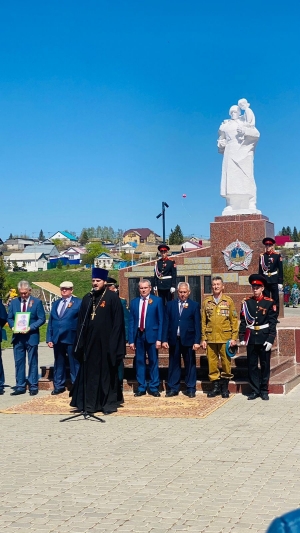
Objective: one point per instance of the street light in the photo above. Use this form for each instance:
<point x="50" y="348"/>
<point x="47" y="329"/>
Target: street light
<point x="162" y="214"/>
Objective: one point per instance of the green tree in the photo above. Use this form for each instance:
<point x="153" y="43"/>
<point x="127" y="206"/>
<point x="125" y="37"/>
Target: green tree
<point x="10" y="236"/>
<point x="3" y="281"/>
<point x="283" y="231"/>
<point x="59" y="264"/>
<point x="60" y="245"/>
<point x="84" y="237"/>
<point x="93" y="249"/>
<point x="295" y="235"/>
<point x="176" y="236"/>
<point x="288" y="273"/>
<point x="288" y="231"/>
<point x="41" y="236"/>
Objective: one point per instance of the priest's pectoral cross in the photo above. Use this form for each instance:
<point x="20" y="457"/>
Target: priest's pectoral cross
<point x="93" y="314"/>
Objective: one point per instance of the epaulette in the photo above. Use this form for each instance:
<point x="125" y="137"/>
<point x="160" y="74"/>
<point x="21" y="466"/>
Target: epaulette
<point x="246" y="298"/>
<point x="275" y="252"/>
<point x="267" y="298"/>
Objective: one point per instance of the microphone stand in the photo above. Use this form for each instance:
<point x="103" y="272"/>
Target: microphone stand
<point x="84" y="413"/>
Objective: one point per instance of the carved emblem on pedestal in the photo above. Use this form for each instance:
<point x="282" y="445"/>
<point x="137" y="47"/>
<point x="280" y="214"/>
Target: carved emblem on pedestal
<point x="237" y="255"/>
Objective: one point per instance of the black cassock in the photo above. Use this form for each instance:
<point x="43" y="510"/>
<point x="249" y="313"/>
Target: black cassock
<point x="103" y="343"/>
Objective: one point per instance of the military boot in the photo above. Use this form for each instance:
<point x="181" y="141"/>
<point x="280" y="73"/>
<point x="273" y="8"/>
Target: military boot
<point x="216" y="390"/>
<point x="224" y="388"/>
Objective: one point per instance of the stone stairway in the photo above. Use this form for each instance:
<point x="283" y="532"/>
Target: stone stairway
<point x="285" y="372"/>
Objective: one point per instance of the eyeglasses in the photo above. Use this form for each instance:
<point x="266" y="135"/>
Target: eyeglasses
<point x="66" y="288"/>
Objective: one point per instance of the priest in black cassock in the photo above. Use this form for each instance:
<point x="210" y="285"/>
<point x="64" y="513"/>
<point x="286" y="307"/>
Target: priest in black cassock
<point x="102" y="342"/>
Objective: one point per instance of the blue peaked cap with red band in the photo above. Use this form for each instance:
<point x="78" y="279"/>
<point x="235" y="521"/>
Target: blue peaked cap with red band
<point x="99" y="273"/>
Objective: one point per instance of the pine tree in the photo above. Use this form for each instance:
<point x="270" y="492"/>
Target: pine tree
<point x="176" y="236"/>
<point x="41" y="236"/>
<point x="288" y="231"/>
<point x="295" y="235"/>
<point x="84" y="237"/>
<point x="283" y="231"/>
<point x="3" y="285"/>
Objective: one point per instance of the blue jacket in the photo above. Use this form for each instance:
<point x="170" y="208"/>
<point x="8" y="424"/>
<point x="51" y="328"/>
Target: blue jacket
<point x="189" y="323"/>
<point x="287" y="523"/>
<point x="37" y="319"/>
<point x="154" y="320"/>
<point x="3" y="318"/>
<point x="63" y="329"/>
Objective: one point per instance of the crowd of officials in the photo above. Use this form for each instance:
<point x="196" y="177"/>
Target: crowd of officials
<point x="89" y="336"/>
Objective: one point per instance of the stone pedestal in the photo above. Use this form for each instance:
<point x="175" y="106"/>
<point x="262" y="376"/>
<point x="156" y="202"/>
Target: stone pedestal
<point x="248" y="229"/>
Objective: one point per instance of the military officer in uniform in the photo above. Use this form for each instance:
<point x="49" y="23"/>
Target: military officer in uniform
<point x="219" y="325"/>
<point x="270" y="267"/>
<point x="258" y="332"/>
<point x="164" y="275"/>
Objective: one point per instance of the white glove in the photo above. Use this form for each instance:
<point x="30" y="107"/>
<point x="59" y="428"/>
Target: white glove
<point x="155" y="289"/>
<point x="280" y="286"/>
<point x="172" y="290"/>
<point x="242" y="343"/>
<point x="268" y="346"/>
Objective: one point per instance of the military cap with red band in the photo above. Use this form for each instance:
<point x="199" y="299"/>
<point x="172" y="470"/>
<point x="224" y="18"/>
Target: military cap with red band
<point x="257" y="279"/>
<point x="163" y="248"/>
<point x="268" y="240"/>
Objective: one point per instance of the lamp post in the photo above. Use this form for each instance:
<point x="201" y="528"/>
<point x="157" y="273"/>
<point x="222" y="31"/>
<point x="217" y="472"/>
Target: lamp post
<point x="162" y="214"/>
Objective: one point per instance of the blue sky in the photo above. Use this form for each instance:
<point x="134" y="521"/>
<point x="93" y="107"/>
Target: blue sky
<point x="109" y="107"/>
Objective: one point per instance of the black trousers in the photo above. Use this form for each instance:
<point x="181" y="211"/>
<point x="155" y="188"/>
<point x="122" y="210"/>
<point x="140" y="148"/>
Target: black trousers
<point x="258" y="378"/>
<point x="165" y="295"/>
<point x="271" y="291"/>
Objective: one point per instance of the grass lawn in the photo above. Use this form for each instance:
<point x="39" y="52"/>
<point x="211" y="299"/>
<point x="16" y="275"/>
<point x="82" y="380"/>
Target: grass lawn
<point x="80" y="278"/>
<point x="7" y="344"/>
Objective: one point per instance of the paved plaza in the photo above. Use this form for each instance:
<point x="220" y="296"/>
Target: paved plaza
<point x="231" y="472"/>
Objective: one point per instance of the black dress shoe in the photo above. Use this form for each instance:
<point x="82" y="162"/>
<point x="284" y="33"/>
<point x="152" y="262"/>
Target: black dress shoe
<point x="17" y="392"/>
<point x="189" y="393"/>
<point x="107" y="412"/>
<point x="264" y="396"/>
<point x="1" y="392"/>
<point x="253" y="396"/>
<point x="57" y="391"/>
<point x="154" y="393"/>
<point x="140" y="393"/>
<point x="171" y="393"/>
<point x="33" y="392"/>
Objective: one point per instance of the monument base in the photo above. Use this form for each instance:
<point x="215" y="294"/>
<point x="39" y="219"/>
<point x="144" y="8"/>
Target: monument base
<point x="229" y="231"/>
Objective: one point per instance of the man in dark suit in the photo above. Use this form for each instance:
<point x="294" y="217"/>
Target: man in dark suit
<point x="144" y="336"/>
<point x="28" y="340"/>
<point x="3" y="320"/>
<point x="61" y="334"/>
<point x="182" y="335"/>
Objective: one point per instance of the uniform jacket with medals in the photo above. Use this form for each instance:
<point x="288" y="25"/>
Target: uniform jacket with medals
<point x="270" y="266"/>
<point x="219" y="320"/>
<point x="256" y="313"/>
<point x="165" y="274"/>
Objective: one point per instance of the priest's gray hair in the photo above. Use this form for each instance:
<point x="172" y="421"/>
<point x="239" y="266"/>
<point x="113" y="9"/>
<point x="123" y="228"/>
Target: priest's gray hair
<point x="23" y="283"/>
<point x="145" y="281"/>
<point x="184" y="283"/>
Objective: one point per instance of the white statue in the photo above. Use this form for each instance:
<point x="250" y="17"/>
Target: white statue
<point x="248" y="115"/>
<point x="237" y="140"/>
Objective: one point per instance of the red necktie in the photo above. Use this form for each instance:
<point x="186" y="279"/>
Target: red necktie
<point x="142" y="322"/>
<point x="24" y="306"/>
